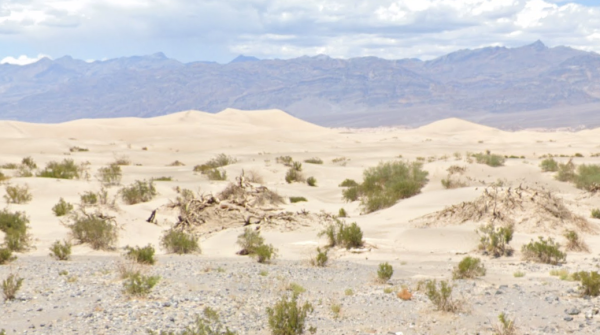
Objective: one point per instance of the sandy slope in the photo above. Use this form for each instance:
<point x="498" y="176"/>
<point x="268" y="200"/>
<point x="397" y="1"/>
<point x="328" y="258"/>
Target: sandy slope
<point x="256" y="138"/>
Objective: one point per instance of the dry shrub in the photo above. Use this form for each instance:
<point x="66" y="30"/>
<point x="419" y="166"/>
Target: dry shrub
<point x="254" y="177"/>
<point x="575" y="242"/>
<point x="404" y="294"/>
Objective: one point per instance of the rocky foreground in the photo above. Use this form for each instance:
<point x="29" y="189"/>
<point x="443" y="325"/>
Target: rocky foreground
<point x="85" y="296"/>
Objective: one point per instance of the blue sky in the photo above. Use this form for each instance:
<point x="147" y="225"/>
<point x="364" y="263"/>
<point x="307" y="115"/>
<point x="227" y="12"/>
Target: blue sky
<point x="218" y="30"/>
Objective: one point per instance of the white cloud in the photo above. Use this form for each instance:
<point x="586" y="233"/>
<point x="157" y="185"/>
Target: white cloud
<point x="22" y="60"/>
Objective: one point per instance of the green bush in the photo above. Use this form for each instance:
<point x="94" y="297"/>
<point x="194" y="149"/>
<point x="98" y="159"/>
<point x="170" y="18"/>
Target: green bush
<point x="494" y="240"/>
<point x="285" y="160"/>
<point x="10" y="286"/>
<point x="293" y="175"/>
<point x="566" y="172"/>
<point x="179" y="242"/>
<point x="349" y="183"/>
<point x="29" y="163"/>
<point x="469" y="267"/>
<point x="3" y="177"/>
<point x="385" y="272"/>
<point x="139" y="285"/>
<point x="110" y="175"/>
<point x="249" y="241"/>
<point x="297" y="199"/>
<point x="311" y="181"/>
<point x="341" y="234"/>
<point x="543" y="251"/>
<point x="489" y="159"/>
<point x="549" y="165"/>
<point x="442" y="297"/>
<point x="95" y="229"/>
<point x="163" y="178"/>
<point x="208" y="324"/>
<point x="314" y="160"/>
<point x="14" y="226"/>
<point x="321" y="258"/>
<point x="286" y="317"/>
<point x="219" y="161"/>
<point x="6" y="256"/>
<point x="65" y="170"/>
<point x="143" y="255"/>
<point x="265" y="253"/>
<point x="61" y="251"/>
<point x="62" y="208"/>
<point x="596" y="213"/>
<point x="590" y="283"/>
<point x="139" y="191"/>
<point x="506" y="326"/>
<point x="78" y="149"/>
<point x="17" y="194"/>
<point x="574" y="241"/>
<point x="588" y="177"/>
<point x="89" y="198"/>
<point x="9" y="166"/>
<point x="342" y="213"/>
<point x="216" y="174"/>
<point x="387" y="183"/>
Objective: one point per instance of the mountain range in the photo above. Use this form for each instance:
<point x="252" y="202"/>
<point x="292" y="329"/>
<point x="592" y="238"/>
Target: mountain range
<point x="524" y="87"/>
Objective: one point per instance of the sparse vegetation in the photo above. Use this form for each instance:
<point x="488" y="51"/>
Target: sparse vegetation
<point x="285" y="160"/>
<point x="67" y="169"/>
<point x="590" y="283"/>
<point x="297" y="199"/>
<point x="78" y="149"/>
<point x="519" y="274"/>
<point x="311" y="181"/>
<point x="216" y="174"/>
<point x="218" y="161"/>
<point x="468" y="268"/>
<point x="265" y="253"/>
<point x="3" y="177"/>
<point x="549" y="165"/>
<point x="139" y="191"/>
<point x="179" y="242"/>
<point x="14" y="226"/>
<point x="123" y="161"/>
<point x="344" y="235"/>
<point x="29" y="163"/>
<point x="17" y="194"/>
<point x="442" y="297"/>
<point x="575" y="242"/>
<point x="349" y="183"/>
<point x="543" y="251"/>
<point x="11" y="285"/>
<point x="97" y="229"/>
<point x="140" y="285"/>
<point x="494" y="240"/>
<point x="596" y="213"/>
<point x="506" y="326"/>
<point x="254" y="245"/>
<point x="348" y="292"/>
<point x="6" y="256"/>
<point x="163" y="178"/>
<point x="89" y="198"/>
<point x="294" y="174"/>
<point x="314" y="160"/>
<point x="62" y="208"/>
<point x="489" y="159"/>
<point x="387" y="183"/>
<point x="140" y="255"/>
<point x="286" y="317"/>
<point x="588" y="177"/>
<point x="342" y="213"/>
<point x="321" y="258"/>
<point x="566" y="172"/>
<point x="208" y="324"/>
<point x="110" y="175"/>
<point x="296" y="288"/>
<point x="385" y="272"/>
<point x="61" y="251"/>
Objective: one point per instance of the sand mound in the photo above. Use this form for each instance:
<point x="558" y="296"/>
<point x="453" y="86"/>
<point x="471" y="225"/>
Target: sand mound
<point x="530" y="210"/>
<point x="272" y="118"/>
<point x="454" y="125"/>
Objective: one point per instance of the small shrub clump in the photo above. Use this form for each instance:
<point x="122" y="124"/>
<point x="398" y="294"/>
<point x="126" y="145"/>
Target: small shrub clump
<point x="14" y="226"/>
<point x="287" y="317"/>
<point x="62" y="208"/>
<point x="10" y="286"/>
<point x="143" y="255"/>
<point x="566" y="172"/>
<point x="254" y="245"/>
<point x="489" y="159"/>
<point x="179" y="242"/>
<point x="285" y="160"/>
<point x="342" y="213"/>
<point x="314" y="160"/>
<point x="596" y="213"/>
<point x="110" y="175"/>
<point x="216" y="174"/>
<point x="441" y="297"/>
<point x="311" y="181"/>
<point x="575" y="242"/>
<point x="6" y="256"/>
<point x="297" y="199"/>
<point x="506" y="326"/>
<point x="348" y="183"/>
<point x="139" y="191"/>
<point x="494" y="240"/>
<point x="468" y="268"/>
<point x="543" y="251"/>
<point x="590" y="283"/>
<point x="385" y="272"/>
<point x="61" y="251"/>
<point x="294" y="174"/>
<point x="17" y="194"/>
<point x="67" y="169"/>
<point x="549" y="165"/>
<point x="140" y="285"/>
<point x="96" y="229"/>
<point x="219" y="161"/>
<point x="207" y="324"/>
<point x="89" y="198"/>
<point x="588" y="177"/>
<point x="321" y="258"/>
<point x="344" y="235"/>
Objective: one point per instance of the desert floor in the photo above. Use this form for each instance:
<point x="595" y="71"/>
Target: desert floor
<point x="411" y="235"/>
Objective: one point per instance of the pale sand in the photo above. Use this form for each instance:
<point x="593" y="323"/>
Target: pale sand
<point x="256" y="138"/>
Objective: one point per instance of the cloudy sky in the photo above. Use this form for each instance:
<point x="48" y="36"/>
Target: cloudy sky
<point x="218" y="30"/>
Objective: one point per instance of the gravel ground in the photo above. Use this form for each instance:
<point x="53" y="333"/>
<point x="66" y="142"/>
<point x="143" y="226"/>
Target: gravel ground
<point x="85" y="296"/>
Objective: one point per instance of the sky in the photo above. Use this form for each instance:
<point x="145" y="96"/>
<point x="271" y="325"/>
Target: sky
<point x="219" y="30"/>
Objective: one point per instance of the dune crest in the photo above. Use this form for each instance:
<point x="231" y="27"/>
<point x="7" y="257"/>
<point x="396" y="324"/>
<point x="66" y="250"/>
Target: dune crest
<point x="456" y="125"/>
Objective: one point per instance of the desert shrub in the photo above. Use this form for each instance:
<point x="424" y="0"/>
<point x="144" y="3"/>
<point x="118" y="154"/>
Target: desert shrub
<point x="179" y="242"/>
<point x="442" y="297"/>
<point x="218" y="161"/>
<point x="96" y="229"/>
<point x="566" y="172"/>
<point x="3" y="177"/>
<point x="342" y="213"/>
<point x="321" y="258"/>
<point x="348" y="183"/>
<point x="285" y="160"/>
<point x="9" y="166"/>
<point x="216" y="174"/>
<point x="61" y="251"/>
<point x="17" y="194"/>
<point x="139" y="191"/>
<point x="14" y="226"/>
<point x="506" y="326"/>
<point x="286" y="317"/>
<point x="264" y="253"/>
<point x="314" y="160"/>
<point x="143" y="255"/>
<point x="78" y="149"/>
<point x="110" y="175"/>
<point x="456" y="169"/>
<point x="543" y="251"/>
<point x="449" y="183"/>
<point x="311" y="181"/>
<point x="385" y="272"/>
<point x="293" y="175"/>
<point x="6" y="256"/>
<point x="207" y="324"/>
<point x="24" y="172"/>
<point x="588" y="177"/>
<point x="296" y="288"/>
<point x="140" y="285"/>
<point x="549" y="165"/>
<point x="469" y="267"/>
<point x="387" y="183"/>
<point x="297" y="199"/>
<point x="176" y="163"/>
<point x="494" y="240"/>
<point x="249" y="241"/>
<point x="489" y="159"/>
<point x="89" y="198"/>
<point x="254" y="177"/>
<point x="596" y="213"/>
<point x="65" y="170"/>
<point x="574" y="241"/>
<point x="590" y="283"/>
<point x="62" y="208"/>
<point x="123" y="161"/>
<point x="519" y="274"/>
<point x="404" y="294"/>
<point x="344" y="235"/>
<point x="163" y="178"/>
<point x="10" y="286"/>
<point x="29" y="163"/>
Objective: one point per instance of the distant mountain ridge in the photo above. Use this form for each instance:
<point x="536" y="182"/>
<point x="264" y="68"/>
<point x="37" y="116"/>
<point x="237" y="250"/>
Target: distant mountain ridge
<point x="529" y="86"/>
